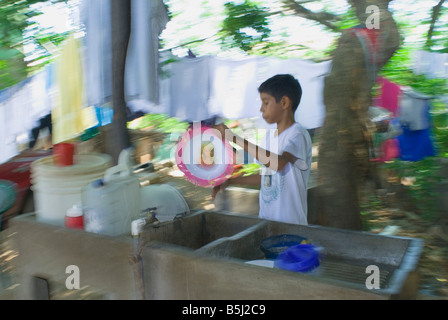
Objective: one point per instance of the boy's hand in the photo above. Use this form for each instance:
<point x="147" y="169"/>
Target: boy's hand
<point x="219" y="188"/>
<point x="224" y="185"/>
<point x="222" y="129"/>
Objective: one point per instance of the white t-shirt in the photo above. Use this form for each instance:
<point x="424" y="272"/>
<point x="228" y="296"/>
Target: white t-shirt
<point x="283" y="194"/>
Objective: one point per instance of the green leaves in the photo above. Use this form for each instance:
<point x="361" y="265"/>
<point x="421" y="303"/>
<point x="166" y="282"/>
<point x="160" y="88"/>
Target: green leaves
<point x="14" y="20"/>
<point x="245" y="26"/>
<point x="12" y="67"/>
<point x="160" y="122"/>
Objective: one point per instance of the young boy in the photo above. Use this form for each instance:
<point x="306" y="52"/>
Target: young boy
<point x="285" y="154"/>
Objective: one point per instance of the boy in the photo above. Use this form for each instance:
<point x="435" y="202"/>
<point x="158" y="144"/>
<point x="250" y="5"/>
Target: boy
<point x="285" y="154"/>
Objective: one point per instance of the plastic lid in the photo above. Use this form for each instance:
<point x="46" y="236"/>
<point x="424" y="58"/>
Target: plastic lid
<point x="300" y="258"/>
<point x="75" y="212"/>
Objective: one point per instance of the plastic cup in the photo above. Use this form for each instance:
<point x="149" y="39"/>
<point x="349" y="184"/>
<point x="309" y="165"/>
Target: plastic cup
<point x="63" y="154"/>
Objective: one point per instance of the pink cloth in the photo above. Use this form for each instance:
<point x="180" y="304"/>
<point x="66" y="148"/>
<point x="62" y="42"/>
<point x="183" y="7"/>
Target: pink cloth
<point x="390" y="150"/>
<point x="389" y="95"/>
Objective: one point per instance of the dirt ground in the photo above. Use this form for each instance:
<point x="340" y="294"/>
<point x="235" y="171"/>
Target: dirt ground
<point x="388" y="216"/>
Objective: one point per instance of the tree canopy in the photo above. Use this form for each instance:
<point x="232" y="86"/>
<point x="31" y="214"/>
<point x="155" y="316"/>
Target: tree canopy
<point x="19" y="29"/>
<point x="286" y="28"/>
<point x="292" y="28"/>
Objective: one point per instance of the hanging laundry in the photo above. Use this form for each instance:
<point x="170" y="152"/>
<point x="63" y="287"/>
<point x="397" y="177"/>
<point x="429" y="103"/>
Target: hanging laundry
<point x="142" y="62"/>
<point x="431" y="64"/>
<point x="386" y="144"/>
<point x="67" y="113"/>
<point x="416" y="145"/>
<point x="204" y="87"/>
<point x="415" y="142"/>
<point x="414" y="110"/>
<point x="189" y="89"/>
<point x="149" y="18"/>
<point x="390" y="94"/>
<point x="21" y="108"/>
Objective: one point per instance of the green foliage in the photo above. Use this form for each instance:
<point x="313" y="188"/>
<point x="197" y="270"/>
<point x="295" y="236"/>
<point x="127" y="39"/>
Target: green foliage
<point x="249" y="169"/>
<point x="245" y="26"/>
<point x="347" y="20"/>
<point x="161" y="122"/>
<point x="12" y="67"/>
<point x="425" y="178"/>
<point x="14" y="20"/>
<point x="398" y="70"/>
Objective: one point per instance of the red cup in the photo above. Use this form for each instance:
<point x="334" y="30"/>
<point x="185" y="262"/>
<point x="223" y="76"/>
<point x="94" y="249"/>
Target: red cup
<point x="63" y="154"/>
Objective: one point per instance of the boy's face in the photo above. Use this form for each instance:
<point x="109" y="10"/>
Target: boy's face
<point x="270" y="108"/>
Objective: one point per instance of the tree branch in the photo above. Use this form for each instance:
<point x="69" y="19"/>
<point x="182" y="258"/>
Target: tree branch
<point x="435" y="15"/>
<point x="324" y="18"/>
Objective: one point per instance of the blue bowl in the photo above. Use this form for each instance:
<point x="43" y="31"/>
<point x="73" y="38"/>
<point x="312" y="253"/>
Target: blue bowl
<point x="275" y="245"/>
<point x="301" y="258"/>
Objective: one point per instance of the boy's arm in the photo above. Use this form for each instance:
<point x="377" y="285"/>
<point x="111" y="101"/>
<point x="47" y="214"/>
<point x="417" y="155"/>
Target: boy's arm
<point x="252" y="180"/>
<point x="268" y="159"/>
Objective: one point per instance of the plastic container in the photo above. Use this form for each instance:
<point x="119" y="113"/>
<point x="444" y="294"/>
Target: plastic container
<point x="112" y="203"/>
<point x="74" y="218"/>
<point x="301" y="258"/>
<point x="8" y="194"/>
<point x="275" y="245"/>
<point x="262" y="263"/>
<point x="56" y="189"/>
<point x="63" y="154"/>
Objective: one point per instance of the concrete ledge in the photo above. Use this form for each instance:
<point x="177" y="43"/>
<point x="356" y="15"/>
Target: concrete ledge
<point x="46" y="251"/>
<point x="246" y="201"/>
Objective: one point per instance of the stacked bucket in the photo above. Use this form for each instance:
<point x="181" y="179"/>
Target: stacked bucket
<point x="58" y="180"/>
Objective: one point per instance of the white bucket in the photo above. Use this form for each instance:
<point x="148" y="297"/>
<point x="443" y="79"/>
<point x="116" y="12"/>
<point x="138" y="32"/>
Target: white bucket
<point x="57" y="189"/>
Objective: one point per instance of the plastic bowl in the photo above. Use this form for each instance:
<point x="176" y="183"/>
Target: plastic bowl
<point x="8" y="194"/>
<point x="275" y="245"/>
<point x="301" y="258"/>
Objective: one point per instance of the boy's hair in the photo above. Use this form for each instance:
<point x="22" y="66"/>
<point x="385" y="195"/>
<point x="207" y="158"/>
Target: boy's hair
<point x="283" y="85"/>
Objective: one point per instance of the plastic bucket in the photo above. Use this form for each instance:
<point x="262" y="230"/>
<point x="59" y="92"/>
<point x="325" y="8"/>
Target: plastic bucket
<point x="57" y="189"/>
<point x="65" y="182"/>
<point x="63" y="154"/>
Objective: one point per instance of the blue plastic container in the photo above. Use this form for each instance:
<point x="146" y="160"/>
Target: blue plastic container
<point x="301" y="258"/>
<point x="275" y="245"/>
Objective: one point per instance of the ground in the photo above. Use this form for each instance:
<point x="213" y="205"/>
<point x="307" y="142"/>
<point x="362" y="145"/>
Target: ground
<point x="383" y="212"/>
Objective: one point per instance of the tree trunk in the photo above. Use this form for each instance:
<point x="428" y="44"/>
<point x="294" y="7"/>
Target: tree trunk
<point x="344" y="150"/>
<point x="117" y="135"/>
